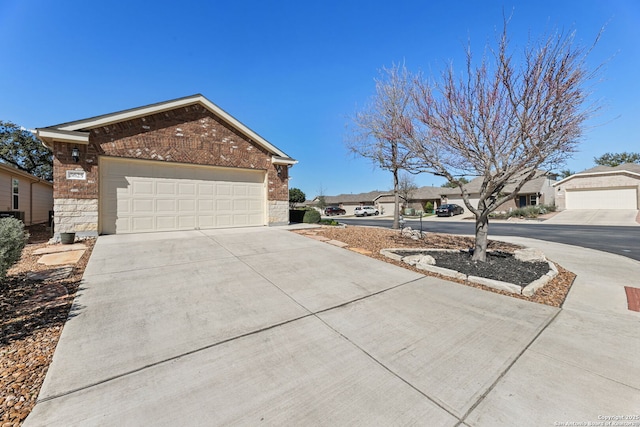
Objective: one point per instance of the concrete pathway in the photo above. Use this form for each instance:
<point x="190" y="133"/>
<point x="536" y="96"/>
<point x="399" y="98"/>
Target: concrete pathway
<point x="263" y="326"/>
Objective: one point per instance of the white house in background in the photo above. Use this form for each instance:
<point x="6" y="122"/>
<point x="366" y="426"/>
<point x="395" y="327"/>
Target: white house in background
<point x="24" y="195"/>
<point x="602" y="187"/>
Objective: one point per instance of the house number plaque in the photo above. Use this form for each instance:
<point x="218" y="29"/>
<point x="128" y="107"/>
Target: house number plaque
<point x="76" y="174"/>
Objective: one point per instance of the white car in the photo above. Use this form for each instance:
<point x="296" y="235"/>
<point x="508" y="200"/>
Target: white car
<point x="365" y="211"/>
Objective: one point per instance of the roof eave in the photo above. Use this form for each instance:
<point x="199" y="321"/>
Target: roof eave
<point x="48" y="136"/>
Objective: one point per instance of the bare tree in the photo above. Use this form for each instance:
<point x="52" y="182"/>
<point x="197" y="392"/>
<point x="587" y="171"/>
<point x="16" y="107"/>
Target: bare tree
<point x="503" y="119"/>
<point x="381" y="128"/>
<point x="406" y="187"/>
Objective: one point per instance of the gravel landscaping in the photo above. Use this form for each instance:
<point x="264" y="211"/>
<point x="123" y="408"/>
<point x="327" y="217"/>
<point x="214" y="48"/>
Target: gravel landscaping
<point x="32" y="314"/>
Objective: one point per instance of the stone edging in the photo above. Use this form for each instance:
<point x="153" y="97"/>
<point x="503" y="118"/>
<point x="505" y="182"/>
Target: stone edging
<point x="527" y="291"/>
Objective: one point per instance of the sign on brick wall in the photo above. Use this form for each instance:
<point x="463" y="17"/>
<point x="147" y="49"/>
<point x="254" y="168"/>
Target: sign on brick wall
<point x="76" y="174"/>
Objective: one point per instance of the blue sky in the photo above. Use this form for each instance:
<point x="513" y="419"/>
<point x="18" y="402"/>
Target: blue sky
<point x="293" y="71"/>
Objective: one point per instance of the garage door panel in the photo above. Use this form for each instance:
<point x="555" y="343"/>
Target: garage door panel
<point x="186" y="205"/>
<point x="206" y="189"/>
<point x="205" y="206"/>
<point x="142" y="223"/>
<point x="223" y="189"/>
<point x="142" y="205"/>
<point x="165" y="206"/>
<point x="142" y="188"/>
<point x="153" y="196"/>
<point x="165" y="188"/>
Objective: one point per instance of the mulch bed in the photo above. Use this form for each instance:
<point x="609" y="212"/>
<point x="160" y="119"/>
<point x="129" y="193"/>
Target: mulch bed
<point x="501" y="266"/>
<point x="32" y="314"/>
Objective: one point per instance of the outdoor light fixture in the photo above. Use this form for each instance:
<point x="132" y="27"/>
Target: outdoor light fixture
<point x="75" y="154"/>
<point x="279" y="170"/>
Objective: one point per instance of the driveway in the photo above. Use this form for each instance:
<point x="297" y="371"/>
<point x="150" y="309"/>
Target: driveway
<point x="263" y="326"/>
<point x="622" y="217"/>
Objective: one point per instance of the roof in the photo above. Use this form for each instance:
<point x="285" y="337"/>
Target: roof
<point x="628" y="168"/>
<point x="77" y="132"/>
<point x="15" y="171"/>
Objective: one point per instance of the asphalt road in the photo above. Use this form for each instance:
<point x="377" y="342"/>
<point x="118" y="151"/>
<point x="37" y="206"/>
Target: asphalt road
<point x="623" y="241"/>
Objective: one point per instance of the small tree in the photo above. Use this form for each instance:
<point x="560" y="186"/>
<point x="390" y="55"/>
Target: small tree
<point x="296" y="196"/>
<point x="617" y="159"/>
<point x="21" y="149"/>
<point x="502" y="120"/>
<point x="381" y="128"/>
<point x="406" y="187"/>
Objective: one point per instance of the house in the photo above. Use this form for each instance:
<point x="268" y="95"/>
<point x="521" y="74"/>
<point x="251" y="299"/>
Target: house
<point x="601" y="187"/>
<point x="537" y="191"/>
<point x="182" y="164"/>
<point x="24" y="195"/>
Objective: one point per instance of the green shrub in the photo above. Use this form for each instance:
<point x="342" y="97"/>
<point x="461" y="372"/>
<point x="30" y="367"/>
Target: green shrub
<point x="12" y="240"/>
<point x="428" y="207"/>
<point x="311" y="217"/>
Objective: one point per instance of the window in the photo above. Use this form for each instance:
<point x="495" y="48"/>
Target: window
<point x="16" y="187"/>
<point x="533" y="199"/>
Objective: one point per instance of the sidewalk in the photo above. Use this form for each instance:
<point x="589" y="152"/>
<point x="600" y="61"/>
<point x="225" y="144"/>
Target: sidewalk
<point x="585" y="364"/>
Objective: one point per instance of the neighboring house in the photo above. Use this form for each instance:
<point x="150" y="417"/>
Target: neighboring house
<point x="537" y="191"/>
<point x="28" y="195"/>
<point x="602" y="187"/>
<point x="182" y="164"/>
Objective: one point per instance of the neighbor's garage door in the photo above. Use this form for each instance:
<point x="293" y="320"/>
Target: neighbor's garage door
<point x="618" y="198"/>
<point x="142" y="196"/>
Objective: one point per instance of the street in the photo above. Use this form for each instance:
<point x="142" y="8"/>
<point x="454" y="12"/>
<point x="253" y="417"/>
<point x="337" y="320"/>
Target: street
<point x="623" y="241"/>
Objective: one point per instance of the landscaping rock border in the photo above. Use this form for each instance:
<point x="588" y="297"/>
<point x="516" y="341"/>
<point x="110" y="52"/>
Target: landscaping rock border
<point x="426" y="262"/>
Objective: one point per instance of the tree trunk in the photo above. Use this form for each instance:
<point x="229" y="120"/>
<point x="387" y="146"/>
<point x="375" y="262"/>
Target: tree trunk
<point x="396" y="200"/>
<point x="482" y="240"/>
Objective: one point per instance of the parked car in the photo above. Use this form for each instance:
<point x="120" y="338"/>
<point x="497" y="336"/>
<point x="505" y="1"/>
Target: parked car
<point x="365" y="211"/>
<point x="334" y="210"/>
<point x="449" y="210"/>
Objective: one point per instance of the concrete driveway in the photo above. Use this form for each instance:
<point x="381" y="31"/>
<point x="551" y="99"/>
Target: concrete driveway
<point x="607" y="217"/>
<point x="263" y="326"/>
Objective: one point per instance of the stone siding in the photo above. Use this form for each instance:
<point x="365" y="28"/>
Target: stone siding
<point x="76" y="215"/>
<point x="278" y="212"/>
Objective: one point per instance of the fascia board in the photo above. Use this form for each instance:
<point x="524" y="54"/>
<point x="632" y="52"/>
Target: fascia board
<point x="276" y="160"/>
<point x="581" y="175"/>
<point x="48" y="136"/>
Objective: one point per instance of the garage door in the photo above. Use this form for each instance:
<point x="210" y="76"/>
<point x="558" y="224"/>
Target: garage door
<point x="144" y="196"/>
<point x="618" y="198"/>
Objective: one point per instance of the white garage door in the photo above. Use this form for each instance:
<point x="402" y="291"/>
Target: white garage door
<point x="618" y="198"/>
<point x="144" y="196"/>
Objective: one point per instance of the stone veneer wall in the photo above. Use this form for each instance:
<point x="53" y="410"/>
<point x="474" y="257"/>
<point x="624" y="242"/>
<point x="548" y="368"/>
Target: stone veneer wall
<point x="278" y="212"/>
<point x="76" y="215"/>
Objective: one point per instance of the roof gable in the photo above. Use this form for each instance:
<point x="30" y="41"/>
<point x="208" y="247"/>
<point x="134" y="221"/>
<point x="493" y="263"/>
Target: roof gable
<point x="632" y="169"/>
<point x="78" y="131"/>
